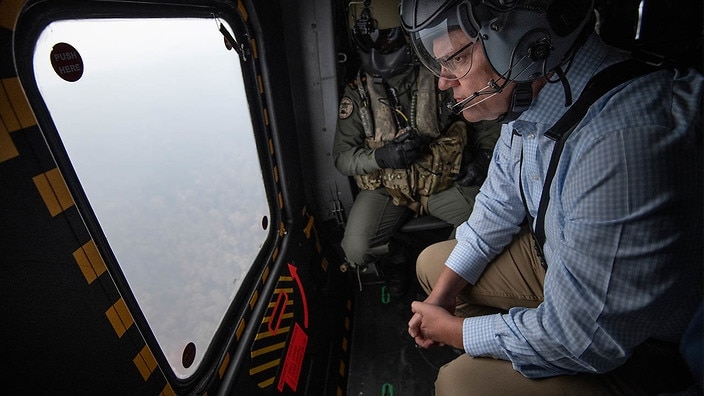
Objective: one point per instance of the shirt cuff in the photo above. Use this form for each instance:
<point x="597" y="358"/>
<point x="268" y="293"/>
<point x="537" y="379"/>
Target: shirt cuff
<point x="459" y="262"/>
<point x="478" y="336"/>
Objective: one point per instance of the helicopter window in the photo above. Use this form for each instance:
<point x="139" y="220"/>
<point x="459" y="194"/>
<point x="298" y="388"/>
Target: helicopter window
<point x="154" y="119"/>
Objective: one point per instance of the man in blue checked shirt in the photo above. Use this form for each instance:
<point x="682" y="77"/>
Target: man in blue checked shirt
<point x="599" y="304"/>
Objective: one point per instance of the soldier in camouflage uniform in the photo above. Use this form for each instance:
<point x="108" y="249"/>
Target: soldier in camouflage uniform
<point x="407" y="152"/>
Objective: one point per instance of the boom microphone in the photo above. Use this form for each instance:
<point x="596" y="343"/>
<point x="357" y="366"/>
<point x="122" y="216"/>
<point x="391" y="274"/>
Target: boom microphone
<point x="458" y="107"/>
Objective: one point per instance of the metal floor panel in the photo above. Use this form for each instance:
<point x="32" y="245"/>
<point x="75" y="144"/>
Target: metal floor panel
<point x="384" y="359"/>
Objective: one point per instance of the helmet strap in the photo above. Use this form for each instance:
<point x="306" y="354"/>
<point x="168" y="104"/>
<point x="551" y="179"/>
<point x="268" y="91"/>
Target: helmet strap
<point x="565" y="85"/>
<point x="521" y="98"/>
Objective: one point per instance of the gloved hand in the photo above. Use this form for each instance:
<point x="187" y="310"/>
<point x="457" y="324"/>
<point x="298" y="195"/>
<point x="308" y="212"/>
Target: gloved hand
<point x="474" y="173"/>
<point x="400" y="152"/>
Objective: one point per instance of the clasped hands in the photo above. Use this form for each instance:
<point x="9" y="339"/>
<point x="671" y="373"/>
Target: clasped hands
<point x="433" y="323"/>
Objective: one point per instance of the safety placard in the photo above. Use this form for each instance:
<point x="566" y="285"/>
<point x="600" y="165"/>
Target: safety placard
<point x="294" y="359"/>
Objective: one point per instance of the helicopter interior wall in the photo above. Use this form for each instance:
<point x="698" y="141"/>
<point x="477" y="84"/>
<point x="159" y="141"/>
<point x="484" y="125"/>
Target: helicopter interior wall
<point x="46" y="297"/>
<point x="310" y="36"/>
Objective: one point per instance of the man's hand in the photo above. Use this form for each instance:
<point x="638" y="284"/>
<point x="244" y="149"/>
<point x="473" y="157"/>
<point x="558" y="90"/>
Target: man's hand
<point x="400" y="152"/>
<point x="434" y="325"/>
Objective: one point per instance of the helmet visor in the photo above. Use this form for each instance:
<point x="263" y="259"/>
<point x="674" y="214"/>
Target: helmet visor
<point x="384" y="41"/>
<point x="445" y="49"/>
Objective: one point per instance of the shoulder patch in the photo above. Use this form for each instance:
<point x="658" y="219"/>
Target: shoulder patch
<point x="346" y="108"/>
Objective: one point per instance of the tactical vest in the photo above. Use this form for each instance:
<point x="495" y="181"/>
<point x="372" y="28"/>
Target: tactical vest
<point x="435" y="169"/>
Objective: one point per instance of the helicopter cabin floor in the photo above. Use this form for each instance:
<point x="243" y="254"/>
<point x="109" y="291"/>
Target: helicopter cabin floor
<point x="384" y="360"/>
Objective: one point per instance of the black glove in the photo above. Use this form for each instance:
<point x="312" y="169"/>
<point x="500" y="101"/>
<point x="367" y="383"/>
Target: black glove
<point x="400" y="152"/>
<point x="474" y="173"/>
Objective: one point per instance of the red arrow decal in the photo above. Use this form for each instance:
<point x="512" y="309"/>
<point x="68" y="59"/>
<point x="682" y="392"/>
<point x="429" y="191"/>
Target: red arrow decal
<point x="293" y="270"/>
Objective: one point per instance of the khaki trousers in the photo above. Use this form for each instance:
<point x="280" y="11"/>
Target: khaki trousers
<point x="515" y="279"/>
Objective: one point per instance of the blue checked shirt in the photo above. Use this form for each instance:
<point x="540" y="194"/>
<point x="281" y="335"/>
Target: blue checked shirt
<point x="623" y="227"/>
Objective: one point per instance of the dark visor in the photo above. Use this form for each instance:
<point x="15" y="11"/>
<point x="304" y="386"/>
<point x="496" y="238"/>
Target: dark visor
<point x="384" y="41"/>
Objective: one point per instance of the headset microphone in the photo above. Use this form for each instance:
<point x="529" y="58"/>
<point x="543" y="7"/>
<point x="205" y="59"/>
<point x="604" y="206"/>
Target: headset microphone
<point x="458" y="107"/>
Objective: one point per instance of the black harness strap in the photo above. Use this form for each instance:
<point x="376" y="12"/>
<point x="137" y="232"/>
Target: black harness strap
<point x="600" y="84"/>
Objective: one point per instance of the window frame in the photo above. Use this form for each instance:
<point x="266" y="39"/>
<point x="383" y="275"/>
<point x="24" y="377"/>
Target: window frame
<point x="27" y="33"/>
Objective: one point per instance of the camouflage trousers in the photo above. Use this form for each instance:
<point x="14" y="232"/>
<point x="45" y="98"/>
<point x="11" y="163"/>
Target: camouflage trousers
<point x="374" y="219"/>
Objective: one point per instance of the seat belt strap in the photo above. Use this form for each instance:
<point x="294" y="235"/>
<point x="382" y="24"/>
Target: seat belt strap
<point x="600" y="84"/>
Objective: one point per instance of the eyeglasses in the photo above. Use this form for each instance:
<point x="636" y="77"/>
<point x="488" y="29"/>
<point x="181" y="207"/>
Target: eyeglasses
<point x="457" y="64"/>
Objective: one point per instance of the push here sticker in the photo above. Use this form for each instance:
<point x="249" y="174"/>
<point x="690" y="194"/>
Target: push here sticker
<point x="294" y="359"/>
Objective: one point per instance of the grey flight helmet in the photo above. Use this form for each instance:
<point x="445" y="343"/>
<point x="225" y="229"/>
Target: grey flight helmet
<point x="523" y="39"/>
<point x="382" y="45"/>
